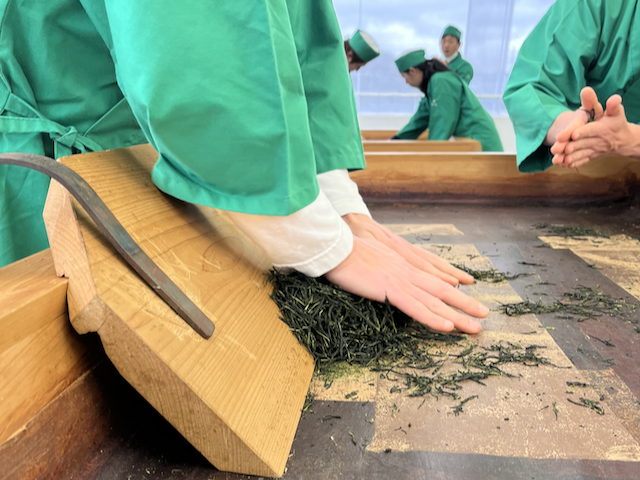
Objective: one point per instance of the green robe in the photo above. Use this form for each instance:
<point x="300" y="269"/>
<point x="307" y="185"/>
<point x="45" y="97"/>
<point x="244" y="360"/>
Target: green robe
<point x="246" y="102"/>
<point x="451" y="109"/>
<point x="577" y="43"/>
<point x="462" y="68"/>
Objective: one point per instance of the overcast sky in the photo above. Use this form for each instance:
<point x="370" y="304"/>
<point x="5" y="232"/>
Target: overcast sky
<point x="492" y="33"/>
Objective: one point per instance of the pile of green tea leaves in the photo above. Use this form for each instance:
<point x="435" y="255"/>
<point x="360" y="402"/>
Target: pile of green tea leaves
<point x="336" y="326"/>
<point x="570" y="231"/>
<point x="582" y="304"/>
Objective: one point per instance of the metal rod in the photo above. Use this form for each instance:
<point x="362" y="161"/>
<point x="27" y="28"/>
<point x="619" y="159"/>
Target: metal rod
<point x="117" y="236"/>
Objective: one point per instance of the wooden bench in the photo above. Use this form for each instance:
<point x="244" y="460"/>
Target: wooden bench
<point x="386" y="134"/>
<point x="459" y="145"/>
<point x="464" y="177"/>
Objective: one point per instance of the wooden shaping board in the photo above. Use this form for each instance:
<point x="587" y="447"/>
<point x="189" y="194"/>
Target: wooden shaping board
<point x="236" y="397"/>
<point x="465" y="145"/>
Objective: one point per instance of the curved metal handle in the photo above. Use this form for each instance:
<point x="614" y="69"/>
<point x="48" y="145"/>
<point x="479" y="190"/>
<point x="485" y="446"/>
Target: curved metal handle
<point x="118" y="236"/>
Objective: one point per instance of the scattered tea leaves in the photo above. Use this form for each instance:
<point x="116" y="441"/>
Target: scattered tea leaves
<point x="592" y="404"/>
<point x="330" y="417"/>
<point x="336" y="326"/>
<point x="308" y="402"/>
<point x="570" y="231"/>
<point x="606" y="342"/>
<point x="490" y="276"/>
<point x="584" y="303"/>
<point x="457" y="410"/>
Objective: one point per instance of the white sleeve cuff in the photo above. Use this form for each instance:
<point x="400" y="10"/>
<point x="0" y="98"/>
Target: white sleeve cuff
<point x="312" y="240"/>
<point x="342" y="192"/>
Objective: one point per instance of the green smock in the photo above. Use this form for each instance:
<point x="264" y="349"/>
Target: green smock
<point x="451" y="109"/>
<point x="577" y="43"/>
<point x="246" y="102"/>
<point x="462" y="68"/>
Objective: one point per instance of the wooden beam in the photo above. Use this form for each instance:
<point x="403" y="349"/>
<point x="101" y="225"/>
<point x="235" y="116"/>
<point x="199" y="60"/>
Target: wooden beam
<point x="426" y="177"/>
<point x="236" y="397"/>
<point x="40" y="354"/>
<point x="386" y="134"/>
<point x="63" y="440"/>
<point x="462" y="145"/>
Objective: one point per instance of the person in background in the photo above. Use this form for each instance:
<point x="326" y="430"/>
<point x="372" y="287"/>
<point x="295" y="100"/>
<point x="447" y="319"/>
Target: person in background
<point x="449" y="108"/>
<point x="360" y="50"/>
<point x="260" y="122"/>
<point x="582" y="55"/>
<point x="450" y="46"/>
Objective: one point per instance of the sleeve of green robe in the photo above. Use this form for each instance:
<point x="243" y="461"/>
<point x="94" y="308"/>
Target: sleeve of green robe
<point x="549" y="74"/>
<point x="333" y="118"/>
<point x="466" y="72"/>
<point x="418" y="123"/>
<point x="446" y="98"/>
<point x="218" y="90"/>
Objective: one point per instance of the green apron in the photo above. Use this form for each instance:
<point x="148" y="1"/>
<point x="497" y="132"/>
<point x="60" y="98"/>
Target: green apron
<point x="451" y="109"/>
<point x="462" y="68"/>
<point x="577" y="43"/>
<point x="245" y="104"/>
<point x="48" y="106"/>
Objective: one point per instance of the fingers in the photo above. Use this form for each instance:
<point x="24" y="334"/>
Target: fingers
<point x="433" y="312"/>
<point x="444" y="266"/>
<point x="576" y="146"/>
<point x="580" y="119"/>
<point x="451" y="296"/>
<point x="614" y="106"/>
<point x="427" y="261"/>
<point x="365" y="227"/>
<point x="589" y="98"/>
<point x="404" y="298"/>
<point x="580" y="158"/>
<point x="558" y="159"/>
<point x="423" y="265"/>
<point x="376" y="272"/>
<point x="558" y="148"/>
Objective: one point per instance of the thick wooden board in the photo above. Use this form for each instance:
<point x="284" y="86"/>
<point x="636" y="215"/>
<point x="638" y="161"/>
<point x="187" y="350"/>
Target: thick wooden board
<point x="463" y="145"/>
<point x="236" y="397"/>
<point x="386" y="134"/>
<point x="420" y="177"/>
<point x="40" y="354"/>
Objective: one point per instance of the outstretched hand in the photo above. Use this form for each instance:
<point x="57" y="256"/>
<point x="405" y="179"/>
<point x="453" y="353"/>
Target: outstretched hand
<point x="364" y="227"/>
<point x="374" y="271"/>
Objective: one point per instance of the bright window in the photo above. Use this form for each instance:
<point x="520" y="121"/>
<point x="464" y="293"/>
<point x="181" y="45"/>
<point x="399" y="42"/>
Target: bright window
<point x="492" y="33"/>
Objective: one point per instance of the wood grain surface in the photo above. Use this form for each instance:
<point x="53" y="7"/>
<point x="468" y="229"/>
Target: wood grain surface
<point x="236" y="397"/>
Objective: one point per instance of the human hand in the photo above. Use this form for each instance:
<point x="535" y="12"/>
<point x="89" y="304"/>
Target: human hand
<point x="611" y="134"/>
<point x="563" y="127"/>
<point x="365" y="227"/>
<point x="374" y="271"/>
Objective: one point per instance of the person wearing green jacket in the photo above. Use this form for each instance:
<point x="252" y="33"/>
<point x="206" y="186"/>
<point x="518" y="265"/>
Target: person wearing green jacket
<point x="450" y="46"/>
<point x="449" y="108"/>
<point x="361" y="48"/>
<point x="251" y="110"/>
<point x="582" y="53"/>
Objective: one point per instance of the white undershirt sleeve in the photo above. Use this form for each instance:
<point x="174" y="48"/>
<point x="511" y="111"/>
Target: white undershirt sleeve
<point x="342" y="192"/>
<point x="312" y="240"/>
